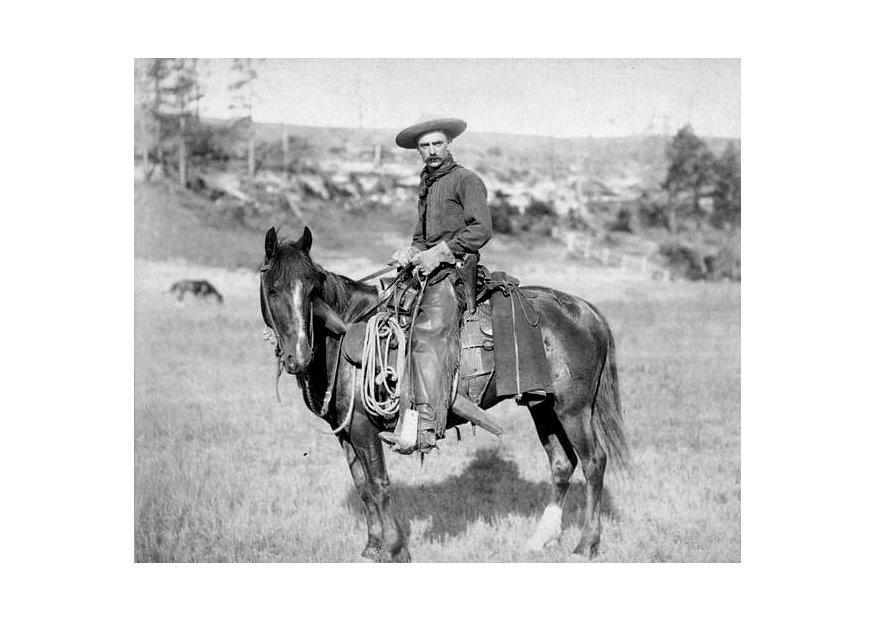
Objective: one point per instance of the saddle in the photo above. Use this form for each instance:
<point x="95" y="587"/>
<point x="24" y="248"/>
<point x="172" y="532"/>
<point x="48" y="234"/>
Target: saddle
<point x="501" y="341"/>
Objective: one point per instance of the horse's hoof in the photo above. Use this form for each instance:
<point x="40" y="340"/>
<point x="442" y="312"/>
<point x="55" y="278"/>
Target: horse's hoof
<point x="588" y="551"/>
<point x="536" y="546"/>
<point x="402" y="555"/>
<point x="372" y="553"/>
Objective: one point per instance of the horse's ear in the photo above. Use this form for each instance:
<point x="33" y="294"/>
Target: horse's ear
<point x="306" y="240"/>
<point x="269" y="243"/>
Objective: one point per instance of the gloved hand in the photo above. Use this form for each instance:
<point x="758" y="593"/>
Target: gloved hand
<point x="429" y="260"/>
<point x="405" y="255"/>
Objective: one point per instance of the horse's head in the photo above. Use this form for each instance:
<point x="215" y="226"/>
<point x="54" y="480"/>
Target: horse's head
<point x="291" y="299"/>
<point x="289" y="283"/>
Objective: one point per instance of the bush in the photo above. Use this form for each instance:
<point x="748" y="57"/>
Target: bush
<point x="540" y="218"/>
<point x="503" y="218"/>
<point x="575" y="221"/>
<point x="622" y="222"/>
<point x="539" y="210"/>
<point x="684" y="260"/>
<point x="695" y="264"/>
<point x="270" y="155"/>
<point x="652" y="214"/>
<point x="725" y="264"/>
<point x="216" y="143"/>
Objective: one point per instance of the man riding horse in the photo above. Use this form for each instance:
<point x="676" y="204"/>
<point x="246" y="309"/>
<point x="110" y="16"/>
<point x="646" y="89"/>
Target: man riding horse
<point x="453" y="222"/>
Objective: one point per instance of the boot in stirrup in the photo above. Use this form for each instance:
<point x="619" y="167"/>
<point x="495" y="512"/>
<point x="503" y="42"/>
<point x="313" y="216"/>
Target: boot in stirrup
<point x="412" y="435"/>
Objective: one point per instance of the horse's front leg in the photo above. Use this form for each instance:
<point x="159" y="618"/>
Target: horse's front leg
<point x="369" y="450"/>
<point x="367" y="492"/>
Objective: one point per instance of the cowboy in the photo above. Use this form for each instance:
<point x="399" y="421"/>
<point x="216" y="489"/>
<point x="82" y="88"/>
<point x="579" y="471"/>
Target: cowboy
<point x="453" y="221"/>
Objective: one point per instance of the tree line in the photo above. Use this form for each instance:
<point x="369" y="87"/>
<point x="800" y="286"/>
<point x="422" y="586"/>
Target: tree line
<point x="167" y="112"/>
<point x="701" y="187"/>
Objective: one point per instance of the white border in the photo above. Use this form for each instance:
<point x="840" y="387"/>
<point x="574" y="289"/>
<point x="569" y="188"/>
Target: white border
<point x="68" y="518"/>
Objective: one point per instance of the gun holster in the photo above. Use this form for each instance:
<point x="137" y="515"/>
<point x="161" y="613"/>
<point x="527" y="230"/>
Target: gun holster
<point x="467" y="269"/>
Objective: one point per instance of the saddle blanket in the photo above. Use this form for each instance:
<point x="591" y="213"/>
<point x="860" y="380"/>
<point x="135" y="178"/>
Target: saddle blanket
<point x="520" y="359"/>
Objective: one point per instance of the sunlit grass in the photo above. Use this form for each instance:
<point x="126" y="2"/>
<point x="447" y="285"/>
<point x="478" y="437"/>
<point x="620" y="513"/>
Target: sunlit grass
<point x="225" y="473"/>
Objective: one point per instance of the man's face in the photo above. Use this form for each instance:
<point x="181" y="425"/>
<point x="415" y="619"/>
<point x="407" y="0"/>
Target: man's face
<point x="433" y="148"/>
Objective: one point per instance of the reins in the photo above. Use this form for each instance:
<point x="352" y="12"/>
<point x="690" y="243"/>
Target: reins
<point x="276" y="334"/>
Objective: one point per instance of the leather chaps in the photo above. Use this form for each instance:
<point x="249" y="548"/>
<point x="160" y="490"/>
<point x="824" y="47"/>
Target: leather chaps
<point x="435" y="354"/>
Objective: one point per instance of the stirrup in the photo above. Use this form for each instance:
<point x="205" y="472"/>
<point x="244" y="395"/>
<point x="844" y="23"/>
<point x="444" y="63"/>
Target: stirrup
<point x="407" y="438"/>
<point x="404" y="437"/>
<point x="399" y="446"/>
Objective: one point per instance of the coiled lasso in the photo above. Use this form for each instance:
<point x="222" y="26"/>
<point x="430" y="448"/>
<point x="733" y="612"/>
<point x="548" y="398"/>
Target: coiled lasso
<point x="378" y="376"/>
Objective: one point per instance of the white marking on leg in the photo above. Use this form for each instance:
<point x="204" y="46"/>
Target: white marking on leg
<point x="549" y="528"/>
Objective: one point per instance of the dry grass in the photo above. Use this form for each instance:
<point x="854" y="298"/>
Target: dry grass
<point x="224" y="473"/>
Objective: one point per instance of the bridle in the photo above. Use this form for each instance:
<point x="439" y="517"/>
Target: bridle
<point x="280" y="350"/>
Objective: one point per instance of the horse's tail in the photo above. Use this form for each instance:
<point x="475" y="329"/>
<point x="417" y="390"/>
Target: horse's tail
<point x="607" y="414"/>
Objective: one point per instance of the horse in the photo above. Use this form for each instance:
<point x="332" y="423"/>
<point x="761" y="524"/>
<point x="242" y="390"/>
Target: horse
<point x="198" y="288"/>
<point x="308" y="307"/>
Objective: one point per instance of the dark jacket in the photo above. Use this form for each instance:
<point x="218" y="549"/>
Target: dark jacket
<point x="455" y="211"/>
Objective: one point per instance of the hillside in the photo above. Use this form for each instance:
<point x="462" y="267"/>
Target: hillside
<point x="638" y="158"/>
<point x="357" y="191"/>
<point x="169" y="225"/>
<point x="176" y="226"/>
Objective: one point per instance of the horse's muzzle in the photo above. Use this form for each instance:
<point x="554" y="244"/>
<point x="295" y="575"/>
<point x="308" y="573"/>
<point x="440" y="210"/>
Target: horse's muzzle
<point x="296" y="366"/>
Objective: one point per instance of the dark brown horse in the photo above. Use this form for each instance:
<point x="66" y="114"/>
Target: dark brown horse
<point x="308" y="307"/>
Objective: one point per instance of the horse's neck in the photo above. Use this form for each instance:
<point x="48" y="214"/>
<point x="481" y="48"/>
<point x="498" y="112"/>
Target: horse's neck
<point x="314" y="381"/>
<point x="346" y="297"/>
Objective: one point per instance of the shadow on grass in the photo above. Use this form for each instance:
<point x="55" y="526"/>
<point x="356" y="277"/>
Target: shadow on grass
<point x="490" y="488"/>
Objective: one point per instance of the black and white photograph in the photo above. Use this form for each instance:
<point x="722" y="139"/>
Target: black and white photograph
<point x="335" y="310"/>
<point x="437" y="310"/>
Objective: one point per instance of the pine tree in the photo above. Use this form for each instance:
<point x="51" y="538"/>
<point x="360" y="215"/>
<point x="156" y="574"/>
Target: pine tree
<point x="690" y="171"/>
<point x="149" y="77"/>
<point x="183" y="94"/>
<point x="167" y="92"/>
<point x="727" y="192"/>
<point x="242" y="97"/>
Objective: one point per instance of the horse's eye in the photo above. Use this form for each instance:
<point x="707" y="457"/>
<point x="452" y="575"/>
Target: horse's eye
<point x="271" y="291"/>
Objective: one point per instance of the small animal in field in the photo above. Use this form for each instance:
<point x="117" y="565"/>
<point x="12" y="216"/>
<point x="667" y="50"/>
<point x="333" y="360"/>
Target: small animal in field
<point x="198" y="288"/>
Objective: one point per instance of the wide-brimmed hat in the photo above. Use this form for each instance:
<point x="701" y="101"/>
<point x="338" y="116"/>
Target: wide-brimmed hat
<point x="451" y="126"/>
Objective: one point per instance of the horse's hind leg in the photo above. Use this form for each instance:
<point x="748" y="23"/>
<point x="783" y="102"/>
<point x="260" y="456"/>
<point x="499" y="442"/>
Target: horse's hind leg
<point x="578" y="426"/>
<point x="562" y="463"/>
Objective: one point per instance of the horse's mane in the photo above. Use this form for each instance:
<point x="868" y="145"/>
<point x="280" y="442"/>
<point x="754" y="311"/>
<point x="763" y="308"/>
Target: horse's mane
<point x="343" y="294"/>
<point x="337" y="290"/>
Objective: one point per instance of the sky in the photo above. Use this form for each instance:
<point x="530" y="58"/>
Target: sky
<point x="548" y="97"/>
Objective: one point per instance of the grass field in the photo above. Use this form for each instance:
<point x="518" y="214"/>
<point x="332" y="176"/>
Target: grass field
<point x="225" y="473"/>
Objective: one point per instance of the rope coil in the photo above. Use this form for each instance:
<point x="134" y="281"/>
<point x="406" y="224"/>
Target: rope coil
<point x="381" y="381"/>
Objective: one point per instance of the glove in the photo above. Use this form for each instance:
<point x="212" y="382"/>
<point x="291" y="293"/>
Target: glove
<point x="404" y="255"/>
<point x="429" y="260"/>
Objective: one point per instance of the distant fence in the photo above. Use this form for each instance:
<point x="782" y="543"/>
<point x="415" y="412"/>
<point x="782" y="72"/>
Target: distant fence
<point x="583" y="245"/>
